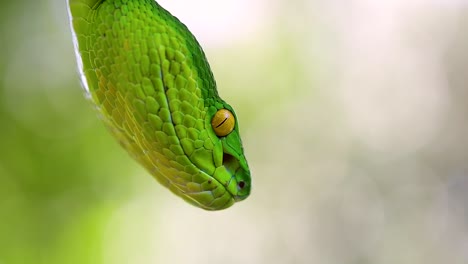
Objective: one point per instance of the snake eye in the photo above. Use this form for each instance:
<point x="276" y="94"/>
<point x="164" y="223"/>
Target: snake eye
<point x="223" y="122"/>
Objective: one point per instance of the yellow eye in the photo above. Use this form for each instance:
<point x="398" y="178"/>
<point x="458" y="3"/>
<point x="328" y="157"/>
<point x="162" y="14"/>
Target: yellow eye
<point x="223" y="122"/>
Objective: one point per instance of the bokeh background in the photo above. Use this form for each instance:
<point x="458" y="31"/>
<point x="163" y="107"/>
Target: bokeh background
<point x="354" y="121"/>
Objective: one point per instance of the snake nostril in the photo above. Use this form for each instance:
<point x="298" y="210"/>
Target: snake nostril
<point x="241" y="184"/>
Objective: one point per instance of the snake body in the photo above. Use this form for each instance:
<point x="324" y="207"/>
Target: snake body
<point x="153" y="87"/>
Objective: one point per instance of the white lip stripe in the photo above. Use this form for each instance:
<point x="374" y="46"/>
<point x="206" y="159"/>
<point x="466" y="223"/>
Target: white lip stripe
<point x="79" y="59"/>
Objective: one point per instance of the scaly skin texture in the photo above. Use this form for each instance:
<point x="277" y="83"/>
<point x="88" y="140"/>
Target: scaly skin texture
<point x="153" y="87"/>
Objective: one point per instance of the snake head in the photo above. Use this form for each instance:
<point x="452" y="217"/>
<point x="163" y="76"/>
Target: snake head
<point x="151" y="83"/>
<point x="231" y="168"/>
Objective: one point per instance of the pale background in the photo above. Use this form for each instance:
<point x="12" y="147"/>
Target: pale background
<point x="354" y="121"/>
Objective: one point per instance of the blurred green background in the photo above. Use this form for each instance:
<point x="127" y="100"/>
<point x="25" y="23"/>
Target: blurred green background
<point x="353" y="117"/>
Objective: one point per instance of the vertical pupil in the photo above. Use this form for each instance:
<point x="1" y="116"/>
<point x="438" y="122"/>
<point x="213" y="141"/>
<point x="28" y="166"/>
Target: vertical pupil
<point x="220" y="124"/>
<point x="223" y="122"/>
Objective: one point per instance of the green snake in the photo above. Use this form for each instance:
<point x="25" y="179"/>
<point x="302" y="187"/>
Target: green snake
<point x="150" y="81"/>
